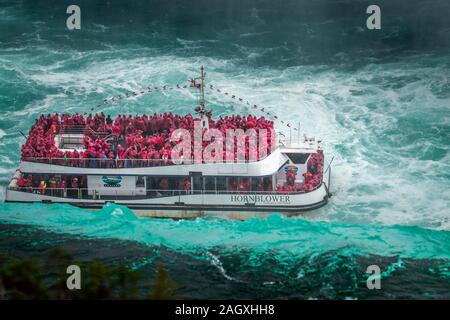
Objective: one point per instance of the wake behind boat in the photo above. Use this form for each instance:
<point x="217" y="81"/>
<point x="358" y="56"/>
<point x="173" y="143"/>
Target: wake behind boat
<point x="168" y="165"/>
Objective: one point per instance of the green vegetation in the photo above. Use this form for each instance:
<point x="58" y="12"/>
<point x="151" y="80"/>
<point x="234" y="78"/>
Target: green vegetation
<point x="30" y="279"/>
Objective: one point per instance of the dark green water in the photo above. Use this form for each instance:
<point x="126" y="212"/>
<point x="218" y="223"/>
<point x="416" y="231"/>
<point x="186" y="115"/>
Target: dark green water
<point x="380" y="100"/>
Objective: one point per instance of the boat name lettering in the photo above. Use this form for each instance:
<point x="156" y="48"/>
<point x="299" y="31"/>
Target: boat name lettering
<point x="270" y="198"/>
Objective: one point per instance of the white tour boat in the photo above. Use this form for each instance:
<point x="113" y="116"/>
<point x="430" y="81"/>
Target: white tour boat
<point x="89" y="161"/>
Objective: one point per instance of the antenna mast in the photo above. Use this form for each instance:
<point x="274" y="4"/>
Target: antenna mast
<point x="201" y="110"/>
<point x="202" y="88"/>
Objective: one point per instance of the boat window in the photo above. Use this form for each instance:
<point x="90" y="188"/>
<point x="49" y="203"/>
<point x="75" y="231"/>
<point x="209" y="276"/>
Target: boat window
<point x="140" y="182"/>
<point x="267" y="183"/>
<point x="153" y="183"/>
<point x="232" y="183"/>
<point x="221" y="184"/>
<point x="255" y="183"/>
<point x="210" y="184"/>
<point x="149" y="183"/>
<point x="298" y="157"/>
<point x="173" y="183"/>
<point x="197" y="183"/>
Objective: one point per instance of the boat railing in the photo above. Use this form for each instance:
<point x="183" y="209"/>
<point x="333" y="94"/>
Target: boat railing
<point x="121" y="163"/>
<point x="82" y="130"/>
<point x="73" y="129"/>
<point x="138" y="193"/>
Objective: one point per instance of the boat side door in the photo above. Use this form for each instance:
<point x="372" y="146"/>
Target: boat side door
<point x="196" y="182"/>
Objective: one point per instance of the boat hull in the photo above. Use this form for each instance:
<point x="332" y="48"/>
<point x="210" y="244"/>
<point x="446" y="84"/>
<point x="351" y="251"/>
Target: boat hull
<point x="194" y="205"/>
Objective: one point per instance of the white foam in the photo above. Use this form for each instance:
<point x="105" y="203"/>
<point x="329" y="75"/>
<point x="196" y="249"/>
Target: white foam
<point x="373" y="181"/>
<point x="215" y="261"/>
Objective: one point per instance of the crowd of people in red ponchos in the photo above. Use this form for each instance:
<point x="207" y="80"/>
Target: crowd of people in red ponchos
<point x="143" y="138"/>
<point x="311" y="178"/>
<point x="53" y="185"/>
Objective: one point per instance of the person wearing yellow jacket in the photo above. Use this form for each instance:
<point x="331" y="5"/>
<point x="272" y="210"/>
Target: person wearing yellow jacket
<point x="42" y="187"/>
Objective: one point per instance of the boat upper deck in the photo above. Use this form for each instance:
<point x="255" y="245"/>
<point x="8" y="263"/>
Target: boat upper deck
<point x="136" y="141"/>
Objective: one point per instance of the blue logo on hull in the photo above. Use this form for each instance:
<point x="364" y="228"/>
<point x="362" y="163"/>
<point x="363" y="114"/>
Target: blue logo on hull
<point x="112" y="181"/>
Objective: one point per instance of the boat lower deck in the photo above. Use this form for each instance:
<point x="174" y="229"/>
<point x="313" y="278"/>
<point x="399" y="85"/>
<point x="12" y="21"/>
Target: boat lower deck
<point x="185" y="205"/>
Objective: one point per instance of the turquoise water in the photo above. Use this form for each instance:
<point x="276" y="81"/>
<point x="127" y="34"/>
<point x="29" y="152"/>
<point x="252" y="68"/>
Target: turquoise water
<point x="379" y="101"/>
<point x="287" y="236"/>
